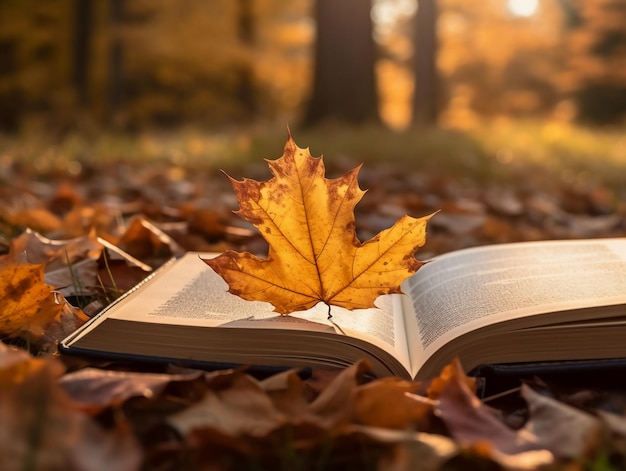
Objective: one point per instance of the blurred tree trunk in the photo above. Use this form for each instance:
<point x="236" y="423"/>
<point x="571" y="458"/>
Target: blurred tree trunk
<point x="82" y="42"/>
<point x="597" y="45"/>
<point x="245" y="22"/>
<point x="116" y="63"/>
<point x="571" y="10"/>
<point x="344" y="82"/>
<point x="11" y="100"/>
<point x="246" y="30"/>
<point x="426" y="94"/>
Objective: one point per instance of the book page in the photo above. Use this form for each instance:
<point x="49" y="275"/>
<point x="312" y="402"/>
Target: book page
<point x="188" y="292"/>
<point x="471" y="288"/>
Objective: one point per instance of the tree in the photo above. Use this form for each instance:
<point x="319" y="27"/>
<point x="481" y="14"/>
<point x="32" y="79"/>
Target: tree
<point x="598" y="48"/>
<point x="246" y="31"/>
<point x="82" y="42"/>
<point x="425" y="96"/>
<point x="116" y="60"/>
<point x="344" y="82"/>
<point x="10" y="96"/>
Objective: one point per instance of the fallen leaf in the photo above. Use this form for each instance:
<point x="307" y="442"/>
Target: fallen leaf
<point x="411" y="448"/>
<point x="385" y="403"/>
<point x="81" y="220"/>
<point x="64" y="199"/>
<point x="458" y="224"/>
<point x="287" y="393"/>
<point x="65" y="323"/>
<point x="42" y="429"/>
<point x="335" y="404"/>
<point x="504" y="201"/>
<point x="113" y="252"/>
<point x="39" y="219"/>
<point x="453" y="371"/>
<point x="56" y="253"/>
<point x="71" y="266"/>
<point x="144" y="240"/>
<point x="586" y="227"/>
<point x="473" y="423"/>
<point x="94" y="389"/>
<point x="77" y="279"/>
<point x="27" y="305"/>
<point x="314" y="255"/>
<point x="615" y="425"/>
<point x="577" y="433"/>
<point x="207" y="221"/>
<point x="241" y="409"/>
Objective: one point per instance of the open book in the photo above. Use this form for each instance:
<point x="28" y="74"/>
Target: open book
<point x="520" y="302"/>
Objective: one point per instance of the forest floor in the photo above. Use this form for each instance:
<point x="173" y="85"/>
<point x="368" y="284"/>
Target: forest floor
<point x="152" y="196"/>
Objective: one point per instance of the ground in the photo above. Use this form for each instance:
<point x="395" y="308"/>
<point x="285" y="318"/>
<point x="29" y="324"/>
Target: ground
<point x="151" y="209"/>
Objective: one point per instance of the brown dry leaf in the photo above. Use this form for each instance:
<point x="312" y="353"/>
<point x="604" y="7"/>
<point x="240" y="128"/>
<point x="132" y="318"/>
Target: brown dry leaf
<point x="241" y="408"/>
<point x="76" y="279"/>
<point x="41" y="428"/>
<point x="335" y="404"/>
<point x="564" y="430"/>
<point x="287" y="393"/>
<point x="387" y="403"/>
<point x="64" y="199"/>
<point x="144" y="240"/>
<point x="314" y="255"/>
<point x="56" y="253"/>
<point x="452" y="371"/>
<point x="66" y="322"/>
<point x="114" y="253"/>
<point x="473" y="423"/>
<point x="100" y="217"/>
<point x="39" y="219"/>
<point x="71" y="265"/>
<point x="94" y="389"/>
<point x="430" y="451"/>
<point x="27" y="305"/>
<point x="437" y="454"/>
<point x="615" y="425"/>
<point x="207" y="221"/>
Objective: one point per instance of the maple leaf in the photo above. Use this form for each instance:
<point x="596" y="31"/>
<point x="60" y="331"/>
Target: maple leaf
<point x="27" y="305"/>
<point x="314" y="254"/>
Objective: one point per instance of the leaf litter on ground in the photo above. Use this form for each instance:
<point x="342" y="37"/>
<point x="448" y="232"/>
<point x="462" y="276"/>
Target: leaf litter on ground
<point x="89" y="238"/>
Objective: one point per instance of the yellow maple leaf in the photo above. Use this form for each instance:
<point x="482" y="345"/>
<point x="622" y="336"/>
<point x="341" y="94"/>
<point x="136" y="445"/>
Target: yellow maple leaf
<point x="27" y="304"/>
<point x="314" y="255"/>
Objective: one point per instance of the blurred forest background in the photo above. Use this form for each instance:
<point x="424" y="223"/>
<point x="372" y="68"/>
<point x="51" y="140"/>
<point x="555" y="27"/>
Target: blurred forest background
<point x="129" y="65"/>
